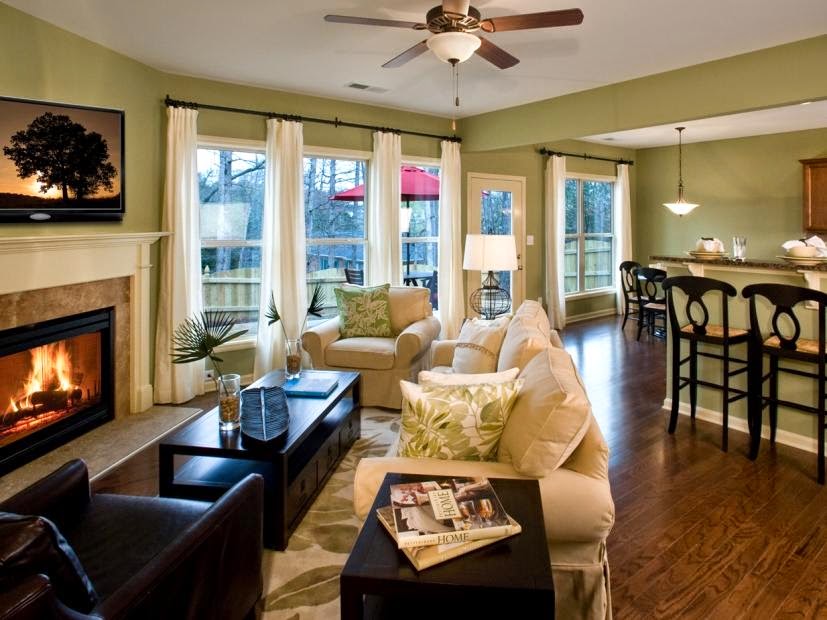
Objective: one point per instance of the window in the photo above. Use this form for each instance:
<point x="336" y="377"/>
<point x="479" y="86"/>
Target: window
<point x="589" y="249"/>
<point x="419" y="225"/>
<point x="231" y="195"/>
<point x="334" y="217"/>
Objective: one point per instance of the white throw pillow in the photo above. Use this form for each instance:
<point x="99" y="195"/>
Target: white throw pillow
<point x="427" y="377"/>
<point x="478" y="346"/>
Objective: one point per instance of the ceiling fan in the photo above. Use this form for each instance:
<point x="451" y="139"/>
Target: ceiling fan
<point x="454" y="25"/>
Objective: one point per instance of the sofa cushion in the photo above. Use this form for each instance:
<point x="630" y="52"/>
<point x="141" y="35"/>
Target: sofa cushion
<point x="364" y="311"/>
<point x="371" y="353"/>
<point x="550" y="417"/>
<point x="428" y="377"/>
<point x="408" y="304"/>
<point x="462" y="422"/>
<point x="522" y="342"/>
<point x="533" y="314"/>
<point x="31" y="545"/>
<point x="478" y="346"/>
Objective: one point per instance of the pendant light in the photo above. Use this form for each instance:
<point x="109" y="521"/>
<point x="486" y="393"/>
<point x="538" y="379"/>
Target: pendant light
<point x="681" y="207"/>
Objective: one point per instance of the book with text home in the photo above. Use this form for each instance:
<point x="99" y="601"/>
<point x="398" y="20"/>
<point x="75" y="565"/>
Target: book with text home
<point x="430" y="555"/>
<point x="311" y="385"/>
<point x="447" y="510"/>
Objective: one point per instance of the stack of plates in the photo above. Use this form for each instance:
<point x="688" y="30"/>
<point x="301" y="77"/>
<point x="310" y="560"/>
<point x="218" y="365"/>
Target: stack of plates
<point x="804" y="261"/>
<point x="700" y="255"/>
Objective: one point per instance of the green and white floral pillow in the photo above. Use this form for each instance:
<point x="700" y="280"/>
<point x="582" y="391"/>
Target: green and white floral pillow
<point x="461" y="422"/>
<point x="364" y="311"/>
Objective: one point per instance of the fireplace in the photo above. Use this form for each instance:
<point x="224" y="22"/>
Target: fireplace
<point x="56" y="382"/>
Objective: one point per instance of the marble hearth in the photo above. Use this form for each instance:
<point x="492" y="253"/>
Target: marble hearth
<point x="56" y="276"/>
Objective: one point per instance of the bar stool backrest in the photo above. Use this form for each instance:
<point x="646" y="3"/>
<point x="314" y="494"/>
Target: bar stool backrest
<point x="627" y="277"/>
<point x="695" y="288"/>
<point x="647" y="280"/>
<point x="784" y="298"/>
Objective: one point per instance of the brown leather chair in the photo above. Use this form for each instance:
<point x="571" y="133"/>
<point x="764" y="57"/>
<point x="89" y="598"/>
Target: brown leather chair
<point x="147" y="557"/>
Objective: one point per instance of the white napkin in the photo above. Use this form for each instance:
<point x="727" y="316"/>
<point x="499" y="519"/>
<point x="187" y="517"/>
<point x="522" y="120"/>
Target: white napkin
<point x="709" y="245"/>
<point x="814" y="241"/>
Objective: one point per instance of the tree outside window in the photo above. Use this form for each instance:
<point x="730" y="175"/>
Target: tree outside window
<point x="588" y="253"/>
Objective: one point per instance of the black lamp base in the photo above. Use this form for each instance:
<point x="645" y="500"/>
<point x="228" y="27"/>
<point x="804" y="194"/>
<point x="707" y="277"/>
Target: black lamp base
<point x="490" y="301"/>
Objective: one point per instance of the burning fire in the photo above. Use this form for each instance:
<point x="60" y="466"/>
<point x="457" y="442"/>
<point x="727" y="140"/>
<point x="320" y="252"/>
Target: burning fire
<point x="51" y="371"/>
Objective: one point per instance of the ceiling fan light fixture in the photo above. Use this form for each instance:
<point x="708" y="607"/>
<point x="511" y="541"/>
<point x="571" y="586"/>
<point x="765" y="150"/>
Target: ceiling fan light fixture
<point x="454" y="46"/>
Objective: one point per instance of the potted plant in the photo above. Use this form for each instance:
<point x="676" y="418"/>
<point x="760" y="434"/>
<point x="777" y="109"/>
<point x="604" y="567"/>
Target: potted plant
<point x="293" y="352"/>
<point x="197" y="338"/>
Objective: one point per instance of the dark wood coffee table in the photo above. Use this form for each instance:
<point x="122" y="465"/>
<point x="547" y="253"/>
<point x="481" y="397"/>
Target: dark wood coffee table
<point x="295" y="467"/>
<point x="509" y="579"/>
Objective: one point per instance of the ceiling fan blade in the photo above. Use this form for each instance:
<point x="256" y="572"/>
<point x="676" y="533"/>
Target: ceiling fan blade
<point x="369" y="21"/>
<point x="496" y="55"/>
<point x="548" y="19"/>
<point x="408" y="54"/>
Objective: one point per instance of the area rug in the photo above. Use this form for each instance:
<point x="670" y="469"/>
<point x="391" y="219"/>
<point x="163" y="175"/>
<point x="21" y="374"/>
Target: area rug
<point x="302" y="582"/>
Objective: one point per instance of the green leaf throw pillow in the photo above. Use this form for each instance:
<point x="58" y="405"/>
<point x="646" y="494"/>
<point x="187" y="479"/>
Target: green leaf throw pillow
<point x="364" y="311"/>
<point x="459" y="422"/>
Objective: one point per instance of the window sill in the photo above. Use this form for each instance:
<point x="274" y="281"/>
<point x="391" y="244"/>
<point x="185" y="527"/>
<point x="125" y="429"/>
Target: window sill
<point x="598" y="292"/>
<point x="242" y="344"/>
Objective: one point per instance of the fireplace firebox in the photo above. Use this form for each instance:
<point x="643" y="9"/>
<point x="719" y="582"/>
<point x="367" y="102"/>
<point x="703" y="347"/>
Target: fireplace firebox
<point x="56" y="382"/>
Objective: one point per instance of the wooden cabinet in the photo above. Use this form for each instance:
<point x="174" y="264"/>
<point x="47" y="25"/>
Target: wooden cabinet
<point x="815" y="194"/>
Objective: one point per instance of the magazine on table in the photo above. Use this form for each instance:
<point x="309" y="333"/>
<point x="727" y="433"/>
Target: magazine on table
<point x="447" y="510"/>
<point x="430" y="555"/>
<point x="311" y="385"/>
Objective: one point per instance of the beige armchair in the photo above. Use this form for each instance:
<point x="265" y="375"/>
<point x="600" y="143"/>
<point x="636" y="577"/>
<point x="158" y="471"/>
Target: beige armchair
<point x="382" y="362"/>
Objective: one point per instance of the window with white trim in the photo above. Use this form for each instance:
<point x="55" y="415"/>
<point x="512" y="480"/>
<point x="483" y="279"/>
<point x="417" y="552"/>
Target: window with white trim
<point x="588" y="254"/>
<point x="231" y="196"/>
<point x="419" y="226"/>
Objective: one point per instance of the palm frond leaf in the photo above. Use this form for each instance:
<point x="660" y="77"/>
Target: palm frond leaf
<point x="318" y="299"/>
<point x="197" y="337"/>
<point x="272" y="313"/>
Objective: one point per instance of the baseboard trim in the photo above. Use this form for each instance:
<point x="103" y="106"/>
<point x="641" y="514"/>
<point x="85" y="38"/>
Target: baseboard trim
<point x="590" y="315"/>
<point x="794" y="440"/>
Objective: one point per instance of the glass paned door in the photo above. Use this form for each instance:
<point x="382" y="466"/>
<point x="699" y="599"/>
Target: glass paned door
<point x="495" y="207"/>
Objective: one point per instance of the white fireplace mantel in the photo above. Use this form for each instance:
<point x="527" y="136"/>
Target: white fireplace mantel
<point x="31" y="263"/>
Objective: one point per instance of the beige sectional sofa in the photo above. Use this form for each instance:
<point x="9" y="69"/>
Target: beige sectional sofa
<point x="550" y="435"/>
<point x="382" y="362"/>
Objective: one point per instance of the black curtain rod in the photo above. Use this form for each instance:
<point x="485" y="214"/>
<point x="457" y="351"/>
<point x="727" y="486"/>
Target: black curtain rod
<point x="336" y="122"/>
<point x="545" y="151"/>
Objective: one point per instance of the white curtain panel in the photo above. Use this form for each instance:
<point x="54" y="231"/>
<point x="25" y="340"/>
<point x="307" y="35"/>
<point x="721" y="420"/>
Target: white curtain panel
<point x="623" y="226"/>
<point x="450" y="280"/>
<point x="283" y="263"/>
<point x="384" y="262"/>
<point x="555" y="217"/>
<point x="180" y="269"/>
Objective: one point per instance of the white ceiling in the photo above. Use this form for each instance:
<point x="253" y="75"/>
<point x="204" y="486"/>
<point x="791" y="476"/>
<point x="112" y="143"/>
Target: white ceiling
<point x="286" y="45"/>
<point x="809" y="115"/>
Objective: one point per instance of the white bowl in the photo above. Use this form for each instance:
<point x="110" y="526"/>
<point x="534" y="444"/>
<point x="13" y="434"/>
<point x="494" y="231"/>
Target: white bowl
<point x="803" y="251"/>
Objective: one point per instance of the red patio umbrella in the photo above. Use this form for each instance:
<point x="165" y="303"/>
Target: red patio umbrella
<point x="416" y="184"/>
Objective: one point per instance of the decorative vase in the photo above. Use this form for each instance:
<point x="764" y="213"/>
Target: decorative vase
<point x="293" y="358"/>
<point x="229" y="401"/>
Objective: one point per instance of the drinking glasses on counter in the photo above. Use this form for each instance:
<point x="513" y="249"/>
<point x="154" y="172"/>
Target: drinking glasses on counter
<point x="739" y="249"/>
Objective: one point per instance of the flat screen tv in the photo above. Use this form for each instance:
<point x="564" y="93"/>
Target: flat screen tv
<point x="60" y="162"/>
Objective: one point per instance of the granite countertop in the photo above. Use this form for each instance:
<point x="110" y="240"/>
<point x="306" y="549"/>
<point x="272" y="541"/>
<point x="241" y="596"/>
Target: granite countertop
<point x="750" y="263"/>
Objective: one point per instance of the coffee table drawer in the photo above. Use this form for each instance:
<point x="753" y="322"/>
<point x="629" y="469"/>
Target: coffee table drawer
<point x="350" y="431"/>
<point x="300" y="490"/>
<point x="328" y="455"/>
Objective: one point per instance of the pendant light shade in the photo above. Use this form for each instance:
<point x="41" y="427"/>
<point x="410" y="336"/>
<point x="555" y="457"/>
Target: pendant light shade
<point x="680" y="207"/>
<point x="453" y="46"/>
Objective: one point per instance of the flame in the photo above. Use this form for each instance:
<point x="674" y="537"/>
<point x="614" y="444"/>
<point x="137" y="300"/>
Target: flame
<point x="51" y="369"/>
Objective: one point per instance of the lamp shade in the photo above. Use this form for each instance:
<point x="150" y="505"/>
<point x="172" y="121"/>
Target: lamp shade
<point x="490" y="253"/>
<point x="680" y="207"/>
<point x="458" y="46"/>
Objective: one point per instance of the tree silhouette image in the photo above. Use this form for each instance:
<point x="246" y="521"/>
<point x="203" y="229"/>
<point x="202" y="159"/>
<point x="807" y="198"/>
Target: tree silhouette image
<point x="62" y="154"/>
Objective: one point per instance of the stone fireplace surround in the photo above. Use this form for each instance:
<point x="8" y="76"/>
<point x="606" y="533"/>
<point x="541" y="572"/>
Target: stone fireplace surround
<point x="54" y="276"/>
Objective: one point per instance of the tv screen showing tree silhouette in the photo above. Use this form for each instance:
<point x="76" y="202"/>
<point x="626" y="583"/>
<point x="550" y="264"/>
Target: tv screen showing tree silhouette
<point x="60" y="162"/>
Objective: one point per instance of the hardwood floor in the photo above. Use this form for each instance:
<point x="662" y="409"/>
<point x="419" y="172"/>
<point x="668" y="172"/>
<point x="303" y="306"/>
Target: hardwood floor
<point x="699" y="533"/>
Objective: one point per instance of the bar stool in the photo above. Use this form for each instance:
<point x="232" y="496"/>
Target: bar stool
<point x="651" y="304"/>
<point x="697" y="329"/>
<point x="779" y="344"/>
<point x="629" y="288"/>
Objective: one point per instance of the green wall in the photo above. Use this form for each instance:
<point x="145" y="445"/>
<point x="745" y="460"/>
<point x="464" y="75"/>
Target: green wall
<point x="748" y="186"/>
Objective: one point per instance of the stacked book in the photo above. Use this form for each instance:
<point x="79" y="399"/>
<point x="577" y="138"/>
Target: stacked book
<point x="443" y="518"/>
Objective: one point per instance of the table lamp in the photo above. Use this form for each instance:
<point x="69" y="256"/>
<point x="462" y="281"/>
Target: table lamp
<point x="490" y="253"/>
